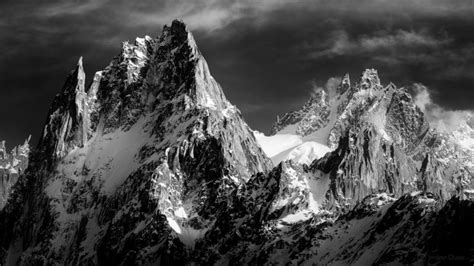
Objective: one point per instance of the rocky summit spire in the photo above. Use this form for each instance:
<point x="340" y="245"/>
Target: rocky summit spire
<point x="66" y="125"/>
<point x="179" y="34"/>
<point x="370" y="128"/>
<point x="178" y="59"/>
<point x="345" y="84"/>
<point x="169" y="68"/>
<point x="370" y="79"/>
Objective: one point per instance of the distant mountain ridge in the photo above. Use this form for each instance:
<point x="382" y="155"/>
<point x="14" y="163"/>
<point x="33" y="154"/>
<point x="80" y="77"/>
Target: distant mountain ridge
<point x="381" y="138"/>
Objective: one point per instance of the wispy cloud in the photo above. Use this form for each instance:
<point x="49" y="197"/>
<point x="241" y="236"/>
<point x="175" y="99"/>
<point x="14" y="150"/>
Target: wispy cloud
<point x="205" y="15"/>
<point x="209" y="15"/>
<point x="329" y="87"/>
<point x="438" y="117"/>
<point x="64" y="8"/>
<point x="401" y="38"/>
<point x="340" y="43"/>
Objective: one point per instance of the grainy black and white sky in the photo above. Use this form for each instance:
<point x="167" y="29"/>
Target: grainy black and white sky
<point x="267" y="55"/>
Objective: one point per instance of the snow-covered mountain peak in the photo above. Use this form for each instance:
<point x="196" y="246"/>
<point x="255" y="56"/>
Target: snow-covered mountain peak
<point x="464" y="134"/>
<point x="79" y="63"/>
<point x="66" y="126"/>
<point x="345" y="85"/>
<point x="152" y="144"/>
<point x="372" y="130"/>
<point x="322" y="119"/>
<point x="178" y="33"/>
<point x="176" y="52"/>
<point x="370" y="79"/>
<point x="177" y="28"/>
<point x="22" y="150"/>
<point x="78" y="74"/>
<point x="135" y="57"/>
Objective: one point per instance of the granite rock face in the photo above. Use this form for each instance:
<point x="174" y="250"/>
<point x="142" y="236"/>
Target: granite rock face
<point x="151" y="164"/>
<point x="12" y="166"/>
<point x="311" y="117"/>
<point x="67" y="122"/>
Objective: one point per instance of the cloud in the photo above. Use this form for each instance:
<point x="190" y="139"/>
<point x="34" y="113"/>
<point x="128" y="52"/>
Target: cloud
<point x="400" y="38"/>
<point x="340" y="43"/>
<point x="438" y="117"/>
<point x="205" y="15"/>
<point x="63" y="8"/>
<point x="330" y="87"/>
<point x="209" y="15"/>
<point x="422" y="97"/>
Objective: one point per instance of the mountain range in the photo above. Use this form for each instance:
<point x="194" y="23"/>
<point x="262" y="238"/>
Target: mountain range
<point x="150" y="164"/>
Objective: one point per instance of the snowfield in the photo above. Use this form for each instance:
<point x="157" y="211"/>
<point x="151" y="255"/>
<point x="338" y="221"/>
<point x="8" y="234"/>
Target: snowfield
<point x="282" y="147"/>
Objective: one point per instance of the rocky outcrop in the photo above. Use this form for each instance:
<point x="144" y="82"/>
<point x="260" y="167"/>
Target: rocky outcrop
<point x="311" y="117"/>
<point x="12" y="166"/>
<point x="67" y="123"/>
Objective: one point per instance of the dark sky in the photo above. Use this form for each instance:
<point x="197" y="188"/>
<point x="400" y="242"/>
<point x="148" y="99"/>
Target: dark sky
<point x="267" y="55"/>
